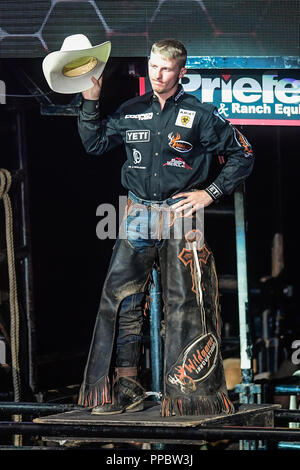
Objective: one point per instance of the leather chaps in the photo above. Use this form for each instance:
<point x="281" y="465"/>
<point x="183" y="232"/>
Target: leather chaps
<point x="194" y="380"/>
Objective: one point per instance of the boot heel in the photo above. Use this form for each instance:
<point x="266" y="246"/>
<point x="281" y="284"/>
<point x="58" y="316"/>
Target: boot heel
<point x="137" y="407"/>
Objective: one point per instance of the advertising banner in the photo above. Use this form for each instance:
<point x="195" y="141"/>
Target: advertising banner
<point x="249" y="97"/>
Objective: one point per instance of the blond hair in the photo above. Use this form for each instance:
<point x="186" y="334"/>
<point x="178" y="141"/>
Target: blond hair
<point x="171" y="49"/>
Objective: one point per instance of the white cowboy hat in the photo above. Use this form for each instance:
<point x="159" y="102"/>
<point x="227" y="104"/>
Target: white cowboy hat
<point x="70" y="69"/>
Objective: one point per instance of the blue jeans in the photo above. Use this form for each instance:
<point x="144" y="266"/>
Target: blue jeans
<point x="145" y="227"/>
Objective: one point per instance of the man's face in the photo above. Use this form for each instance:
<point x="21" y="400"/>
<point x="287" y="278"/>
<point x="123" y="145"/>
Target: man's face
<point x="164" y="74"/>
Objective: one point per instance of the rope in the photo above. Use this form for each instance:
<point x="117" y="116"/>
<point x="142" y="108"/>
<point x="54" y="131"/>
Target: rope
<point x="5" y="184"/>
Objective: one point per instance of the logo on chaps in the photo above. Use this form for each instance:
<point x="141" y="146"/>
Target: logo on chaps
<point x="194" y="364"/>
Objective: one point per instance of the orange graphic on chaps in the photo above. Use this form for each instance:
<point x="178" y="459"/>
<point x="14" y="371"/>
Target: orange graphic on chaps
<point x="185" y="379"/>
<point x="186" y="255"/>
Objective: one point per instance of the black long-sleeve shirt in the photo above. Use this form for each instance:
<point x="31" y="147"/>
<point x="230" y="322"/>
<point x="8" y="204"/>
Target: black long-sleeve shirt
<point x="169" y="150"/>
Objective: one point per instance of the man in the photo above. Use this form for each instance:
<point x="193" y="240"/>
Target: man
<point x="170" y="140"/>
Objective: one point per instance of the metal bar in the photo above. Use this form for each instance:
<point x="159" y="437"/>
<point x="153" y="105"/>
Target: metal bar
<point x="219" y="212"/>
<point x="37" y="447"/>
<point x="36" y="408"/>
<point x="287" y="415"/>
<point x="150" y="432"/>
<point x="288" y="445"/>
<point x="26" y="264"/>
<point x="247" y="387"/>
<point x="155" y="319"/>
<point x="245" y="340"/>
<point x="22" y="77"/>
<point x="287" y="389"/>
<point x="155" y="340"/>
<point x="46" y="106"/>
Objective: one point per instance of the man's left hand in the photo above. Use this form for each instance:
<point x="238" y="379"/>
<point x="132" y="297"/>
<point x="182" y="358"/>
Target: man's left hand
<point x="193" y="201"/>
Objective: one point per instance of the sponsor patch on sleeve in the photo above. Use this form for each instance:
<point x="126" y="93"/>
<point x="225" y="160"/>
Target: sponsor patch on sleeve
<point x="243" y="142"/>
<point x="185" y="118"/>
<point x="217" y="114"/>
<point x="214" y="191"/>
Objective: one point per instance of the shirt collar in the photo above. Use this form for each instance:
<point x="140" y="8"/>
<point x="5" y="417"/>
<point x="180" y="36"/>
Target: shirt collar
<point x="176" y="97"/>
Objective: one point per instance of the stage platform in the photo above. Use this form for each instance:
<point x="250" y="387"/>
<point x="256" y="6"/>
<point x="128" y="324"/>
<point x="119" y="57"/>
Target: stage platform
<point x="245" y="415"/>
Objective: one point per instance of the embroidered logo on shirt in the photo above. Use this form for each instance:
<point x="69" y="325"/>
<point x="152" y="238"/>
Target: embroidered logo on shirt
<point x="137" y="156"/>
<point x="137" y="136"/>
<point x="140" y="117"/>
<point x="137" y="159"/>
<point x="178" y="162"/>
<point x="177" y="144"/>
<point x="185" y="118"/>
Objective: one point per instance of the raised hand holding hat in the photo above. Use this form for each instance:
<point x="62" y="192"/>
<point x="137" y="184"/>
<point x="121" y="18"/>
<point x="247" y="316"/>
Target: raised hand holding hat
<point x="71" y="69"/>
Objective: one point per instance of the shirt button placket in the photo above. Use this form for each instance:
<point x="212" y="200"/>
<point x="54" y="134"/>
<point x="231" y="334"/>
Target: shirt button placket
<point x="157" y="155"/>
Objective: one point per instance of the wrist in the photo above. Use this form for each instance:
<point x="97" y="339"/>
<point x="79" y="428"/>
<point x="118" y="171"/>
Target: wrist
<point x="90" y="106"/>
<point x="214" y="191"/>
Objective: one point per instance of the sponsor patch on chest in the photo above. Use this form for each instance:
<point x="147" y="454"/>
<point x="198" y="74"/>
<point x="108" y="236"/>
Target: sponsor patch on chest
<point x="177" y="144"/>
<point x="140" y="117"/>
<point x="137" y="136"/>
<point x="178" y="162"/>
<point x="185" y="118"/>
